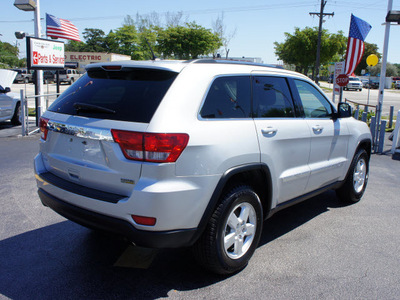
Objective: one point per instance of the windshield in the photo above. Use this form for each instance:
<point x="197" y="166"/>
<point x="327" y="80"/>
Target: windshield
<point x="132" y="95"/>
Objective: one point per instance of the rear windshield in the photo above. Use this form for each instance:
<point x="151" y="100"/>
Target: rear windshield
<point x="131" y="95"/>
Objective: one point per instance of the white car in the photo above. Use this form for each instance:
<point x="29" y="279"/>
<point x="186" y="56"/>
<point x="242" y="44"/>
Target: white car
<point x="68" y="76"/>
<point x="195" y="153"/>
<point x="10" y="103"/>
<point x="354" y="84"/>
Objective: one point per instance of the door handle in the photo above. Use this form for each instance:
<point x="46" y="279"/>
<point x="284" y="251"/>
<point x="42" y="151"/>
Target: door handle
<point x="269" y="131"/>
<point x="317" y="129"/>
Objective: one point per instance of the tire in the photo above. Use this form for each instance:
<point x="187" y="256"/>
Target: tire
<point x="232" y="233"/>
<point x="15" y="119"/>
<point x="357" y="178"/>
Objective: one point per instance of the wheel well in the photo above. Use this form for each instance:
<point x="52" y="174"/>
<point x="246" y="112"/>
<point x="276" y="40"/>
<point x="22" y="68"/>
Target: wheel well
<point x="366" y="145"/>
<point x="259" y="180"/>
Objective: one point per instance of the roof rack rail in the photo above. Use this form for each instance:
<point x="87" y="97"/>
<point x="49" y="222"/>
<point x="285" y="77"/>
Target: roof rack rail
<point x="229" y="61"/>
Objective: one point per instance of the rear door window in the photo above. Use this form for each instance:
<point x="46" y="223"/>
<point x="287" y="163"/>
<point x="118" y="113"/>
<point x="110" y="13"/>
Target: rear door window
<point x="272" y="98"/>
<point x="128" y="95"/>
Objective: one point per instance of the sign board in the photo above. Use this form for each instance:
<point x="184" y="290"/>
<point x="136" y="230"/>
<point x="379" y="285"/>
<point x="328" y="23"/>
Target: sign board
<point x="44" y="54"/>
<point x="342" y="80"/>
<point x="339" y="69"/>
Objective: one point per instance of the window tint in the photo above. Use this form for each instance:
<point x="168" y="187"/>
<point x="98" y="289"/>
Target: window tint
<point x="228" y="97"/>
<point x="314" y="104"/>
<point x="132" y="95"/>
<point x="272" y="98"/>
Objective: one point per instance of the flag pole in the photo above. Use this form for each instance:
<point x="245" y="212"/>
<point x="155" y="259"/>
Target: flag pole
<point x="382" y="79"/>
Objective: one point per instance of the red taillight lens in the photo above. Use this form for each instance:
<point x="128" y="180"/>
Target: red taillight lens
<point x="43" y="127"/>
<point x="151" y="147"/>
<point x="131" y="143"/>
<point x="164" y="147"/>
<point x="149" y="221"/>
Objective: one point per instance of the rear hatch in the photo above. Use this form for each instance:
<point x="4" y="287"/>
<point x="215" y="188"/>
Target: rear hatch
<point x="79" y="146"/>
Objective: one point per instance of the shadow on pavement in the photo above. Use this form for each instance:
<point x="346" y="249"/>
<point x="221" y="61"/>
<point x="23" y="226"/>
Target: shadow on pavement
<point x="66" y="260"/>
<point x="9" y="130"/>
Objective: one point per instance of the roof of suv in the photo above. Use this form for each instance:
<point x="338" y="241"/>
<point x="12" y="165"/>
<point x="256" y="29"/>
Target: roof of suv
<point x="179" y="65"/>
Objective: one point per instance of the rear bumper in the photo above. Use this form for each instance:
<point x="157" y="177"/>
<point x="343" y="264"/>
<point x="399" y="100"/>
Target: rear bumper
<point x="150" y="239"/>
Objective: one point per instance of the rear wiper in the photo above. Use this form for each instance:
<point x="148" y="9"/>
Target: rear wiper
<point x="92" y="108"/>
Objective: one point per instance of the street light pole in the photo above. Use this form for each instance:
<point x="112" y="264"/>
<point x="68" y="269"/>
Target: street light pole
<point x="382" y="78"/>
<point x="39" y="73"/>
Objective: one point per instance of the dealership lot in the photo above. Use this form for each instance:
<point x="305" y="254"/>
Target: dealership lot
<point x="317" y="249"/>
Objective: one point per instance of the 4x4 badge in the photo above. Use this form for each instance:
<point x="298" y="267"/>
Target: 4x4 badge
<point x="128" y="181"/>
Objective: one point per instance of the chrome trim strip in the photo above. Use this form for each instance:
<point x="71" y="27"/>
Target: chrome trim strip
<point x="80" y="131"/>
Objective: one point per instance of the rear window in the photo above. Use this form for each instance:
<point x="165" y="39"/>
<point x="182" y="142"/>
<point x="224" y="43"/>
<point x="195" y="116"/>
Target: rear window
<point x="131" y="95"/>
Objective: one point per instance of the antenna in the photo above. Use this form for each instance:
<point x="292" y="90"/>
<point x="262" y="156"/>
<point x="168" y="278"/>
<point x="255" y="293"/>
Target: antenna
<point x="151" y="49"/>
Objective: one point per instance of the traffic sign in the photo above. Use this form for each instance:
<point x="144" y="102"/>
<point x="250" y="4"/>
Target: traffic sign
<point x="342" y="80"/>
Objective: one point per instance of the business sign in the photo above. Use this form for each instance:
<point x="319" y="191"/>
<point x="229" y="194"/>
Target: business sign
<point x="44" y="54"/>
<point x="339" y="69"/>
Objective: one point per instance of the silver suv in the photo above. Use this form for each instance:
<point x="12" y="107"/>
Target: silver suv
<point x="195" y="153"/>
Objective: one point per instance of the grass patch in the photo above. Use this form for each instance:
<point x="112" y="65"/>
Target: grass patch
<point x="31" y="112"/>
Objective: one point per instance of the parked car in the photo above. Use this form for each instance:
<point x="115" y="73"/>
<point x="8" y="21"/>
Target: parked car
<point x="49" y="76"/>
<point x="397" y="84"/>
<point x="23" y="76"/>
<point x="365" y="83"/>
<point x="10" y="103"/>
<point x="354" y="84"/>
<point x="68" y="76"/>
<point x="374" y="84"/>
<point x="197" y="153"/>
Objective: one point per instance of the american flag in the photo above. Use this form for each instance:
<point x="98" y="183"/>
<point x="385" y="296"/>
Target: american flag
<point x="355" y="45"/>
<point x="60" y="28"/>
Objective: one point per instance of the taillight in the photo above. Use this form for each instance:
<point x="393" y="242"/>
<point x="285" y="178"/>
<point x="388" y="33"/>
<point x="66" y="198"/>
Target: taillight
<point x="43" y="127"/>
<point x="151" y="147"/>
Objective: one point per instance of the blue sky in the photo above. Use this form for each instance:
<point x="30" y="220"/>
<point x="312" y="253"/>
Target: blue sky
<point x="258" y="24"/>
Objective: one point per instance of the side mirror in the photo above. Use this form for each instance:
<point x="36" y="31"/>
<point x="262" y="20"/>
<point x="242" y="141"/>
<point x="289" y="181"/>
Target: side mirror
<point x="344" y="110"/>
<point x="4" y="90"/>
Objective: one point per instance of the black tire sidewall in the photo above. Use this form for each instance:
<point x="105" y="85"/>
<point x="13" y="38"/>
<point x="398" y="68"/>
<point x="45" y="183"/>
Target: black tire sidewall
<point x="15" y="119"/>
<point x="347" y="193"/>
<point x="242" y="195"/>
<point x="360" y="155"/>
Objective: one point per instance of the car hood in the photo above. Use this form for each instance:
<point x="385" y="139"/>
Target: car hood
<point x="7" y="77"/>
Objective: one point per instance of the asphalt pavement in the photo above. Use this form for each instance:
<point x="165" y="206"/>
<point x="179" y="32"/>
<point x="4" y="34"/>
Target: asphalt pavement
<point x="319" y="249"/>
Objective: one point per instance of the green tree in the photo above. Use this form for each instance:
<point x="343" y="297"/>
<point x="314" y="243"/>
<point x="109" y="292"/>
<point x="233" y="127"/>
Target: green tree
<point x="123" y="41"/>
<point x="300" y="48"/>
<point x="75" y="46"/>
<point x="369" y="49"/>
<point x="95" y="40"/>
<point x="391" y="70"/>
<point x="186" y="42"/>
<point x="9" y="55"/>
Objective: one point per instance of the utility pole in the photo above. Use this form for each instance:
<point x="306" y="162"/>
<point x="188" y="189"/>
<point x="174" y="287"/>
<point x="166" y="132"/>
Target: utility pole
<point x="321" y="16"/>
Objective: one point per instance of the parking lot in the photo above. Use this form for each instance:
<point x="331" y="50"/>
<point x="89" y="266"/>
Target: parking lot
<point x="317" y="249"/>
